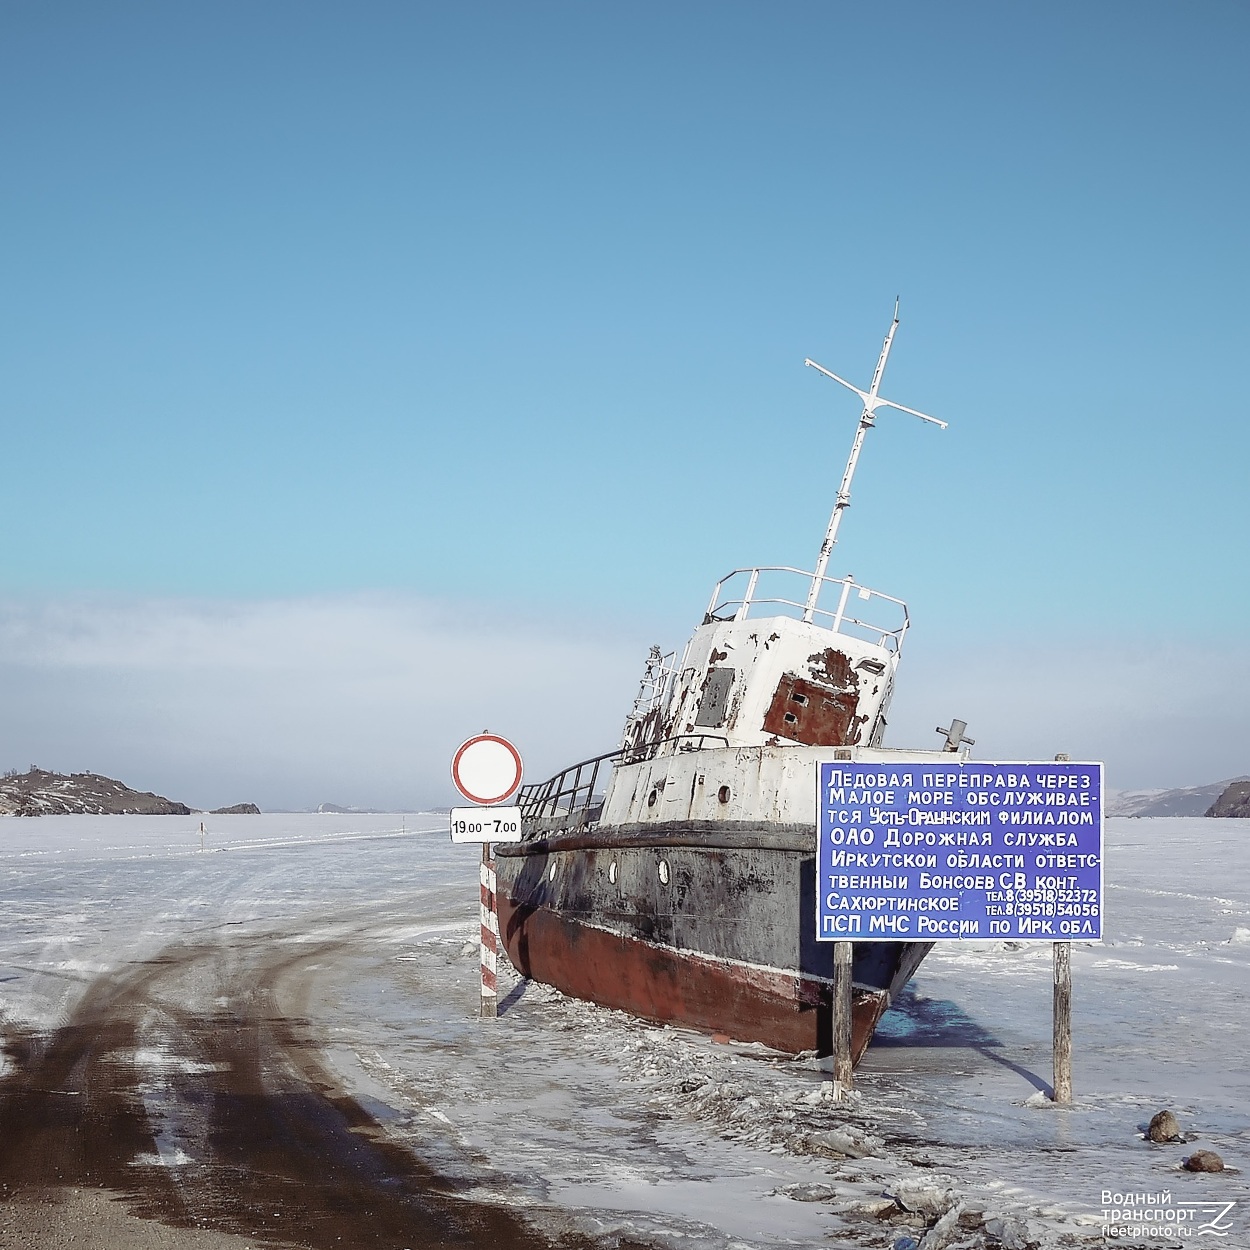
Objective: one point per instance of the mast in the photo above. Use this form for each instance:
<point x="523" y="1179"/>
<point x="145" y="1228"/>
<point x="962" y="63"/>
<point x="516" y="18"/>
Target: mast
<point x="867" y="419"/>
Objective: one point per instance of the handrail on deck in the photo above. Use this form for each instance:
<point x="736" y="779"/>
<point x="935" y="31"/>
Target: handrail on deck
<point x="838" y="620"/>
<point x="572" y="792"/>
<point x="566" y="792"/>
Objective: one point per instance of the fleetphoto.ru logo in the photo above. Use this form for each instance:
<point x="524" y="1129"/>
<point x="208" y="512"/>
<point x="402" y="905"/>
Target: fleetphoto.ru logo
<point x="1156" y="1215"/>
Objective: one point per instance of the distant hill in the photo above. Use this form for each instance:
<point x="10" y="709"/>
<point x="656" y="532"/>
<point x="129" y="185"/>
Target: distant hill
<point x="1195" y="801"/>
<point x="41" y="793"/>
<point x="238" y="809"/>
<point x="1235" y="801"/>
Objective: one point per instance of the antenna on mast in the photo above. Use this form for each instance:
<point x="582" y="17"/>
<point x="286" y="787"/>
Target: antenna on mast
<point x="867" y="419"/>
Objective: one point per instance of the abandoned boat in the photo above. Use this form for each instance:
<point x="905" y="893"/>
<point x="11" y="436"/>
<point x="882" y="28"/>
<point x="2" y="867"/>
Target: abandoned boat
<point x="686" y="891"/>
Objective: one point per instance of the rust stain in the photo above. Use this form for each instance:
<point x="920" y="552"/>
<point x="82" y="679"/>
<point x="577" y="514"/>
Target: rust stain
<point x="786" y="1011"/>
<point x="821" y="710"/>
<point x="832" y="667"/>
<point x="813" y="714"/>
<point x="654" y="727"/>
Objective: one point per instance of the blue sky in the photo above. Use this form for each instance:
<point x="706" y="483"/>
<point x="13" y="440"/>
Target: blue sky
<point x="498" y="312"/>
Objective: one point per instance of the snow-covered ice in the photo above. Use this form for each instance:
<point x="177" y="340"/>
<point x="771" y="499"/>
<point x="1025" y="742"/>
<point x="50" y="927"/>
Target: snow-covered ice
<point x="597" y="1121"/>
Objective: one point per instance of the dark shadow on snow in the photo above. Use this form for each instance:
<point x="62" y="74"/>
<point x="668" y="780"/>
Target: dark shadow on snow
<point x="933" y="1023"/>
<point x="513" y="996"/>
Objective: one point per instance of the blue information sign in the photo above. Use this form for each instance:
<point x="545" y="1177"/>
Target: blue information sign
<point x="918" y="852"/>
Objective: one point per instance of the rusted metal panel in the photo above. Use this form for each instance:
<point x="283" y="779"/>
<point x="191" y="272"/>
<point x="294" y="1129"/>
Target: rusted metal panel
<point x="813" y="714"/>
<point x="832" y="667"/>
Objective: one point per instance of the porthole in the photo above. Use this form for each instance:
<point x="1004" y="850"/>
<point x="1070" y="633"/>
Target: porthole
<point x="664" y="872"/>
<point x="551" y="872"/>
<point x="653" y="798"/>
<point x="612" y="872"/>
<point x="724" y="794"/>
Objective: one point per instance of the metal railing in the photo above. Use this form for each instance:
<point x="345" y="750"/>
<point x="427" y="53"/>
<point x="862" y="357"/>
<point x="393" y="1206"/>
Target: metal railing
<point x="569" y="792"/>
<point x="573" y="794"/>
<point x="686" y="742"/>
<point x="727" y="604"/>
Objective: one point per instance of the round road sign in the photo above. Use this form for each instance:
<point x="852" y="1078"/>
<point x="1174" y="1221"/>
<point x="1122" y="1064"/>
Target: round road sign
<point x="486" y="769"/>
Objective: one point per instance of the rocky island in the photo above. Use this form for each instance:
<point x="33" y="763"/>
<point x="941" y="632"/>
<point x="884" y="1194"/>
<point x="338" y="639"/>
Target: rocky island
<point x="1234" y="801"/>
<point x="42" y="793"/>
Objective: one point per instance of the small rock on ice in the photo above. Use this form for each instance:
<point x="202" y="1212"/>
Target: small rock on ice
<point x="1203" y="1161"/>
<point x="1164" y="1128"/>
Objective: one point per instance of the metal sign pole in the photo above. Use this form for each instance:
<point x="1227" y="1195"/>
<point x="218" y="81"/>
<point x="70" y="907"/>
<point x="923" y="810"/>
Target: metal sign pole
<point x="490" y="938"/>
<point x="486" y="769"/>
<point x="1062" y="1036"/>
<point x="843" y="1080"/>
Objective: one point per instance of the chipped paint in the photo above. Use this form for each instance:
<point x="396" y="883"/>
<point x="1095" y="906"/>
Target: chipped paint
<point x="813" y="714"/>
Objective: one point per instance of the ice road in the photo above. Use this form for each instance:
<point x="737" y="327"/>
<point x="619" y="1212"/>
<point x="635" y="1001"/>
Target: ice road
<point x="273" y="1041"/>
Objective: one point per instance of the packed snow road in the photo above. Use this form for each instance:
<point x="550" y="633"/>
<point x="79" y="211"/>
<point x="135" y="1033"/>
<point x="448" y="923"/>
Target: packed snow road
<point x="170" y="1055"/>
<point x="274" y="1041"/>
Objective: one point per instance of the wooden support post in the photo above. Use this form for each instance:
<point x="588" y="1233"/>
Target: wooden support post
<point x="842" y="1074"/>
<point x="1062" y="1044"/>
<point x="490" y="938"/>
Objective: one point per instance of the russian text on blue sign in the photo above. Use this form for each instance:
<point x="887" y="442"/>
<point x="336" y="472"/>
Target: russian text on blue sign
<point x="918" y="852"/>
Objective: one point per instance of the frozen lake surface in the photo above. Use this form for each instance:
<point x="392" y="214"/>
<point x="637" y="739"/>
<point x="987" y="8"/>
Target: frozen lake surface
<point x="353" y="940"/>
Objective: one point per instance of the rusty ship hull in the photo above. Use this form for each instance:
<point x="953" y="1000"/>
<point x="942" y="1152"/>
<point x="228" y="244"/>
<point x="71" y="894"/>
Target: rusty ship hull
<point x="701" y="924"/>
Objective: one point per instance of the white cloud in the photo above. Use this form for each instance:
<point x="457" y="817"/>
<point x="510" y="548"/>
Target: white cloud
<point x="361" y="700"/>
<point x="293" y="702"/>
<point x="1159" y="713"/>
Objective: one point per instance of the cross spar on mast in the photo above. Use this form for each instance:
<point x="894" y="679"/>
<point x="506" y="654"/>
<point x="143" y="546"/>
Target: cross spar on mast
<point x="867" y="419"/>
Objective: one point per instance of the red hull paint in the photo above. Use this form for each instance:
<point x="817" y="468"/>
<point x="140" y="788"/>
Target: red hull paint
<point x="669" y="986"/>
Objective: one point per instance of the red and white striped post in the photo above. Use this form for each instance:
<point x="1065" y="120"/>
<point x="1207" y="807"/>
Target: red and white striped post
<point x="490" y="938"/>
<point x="487" y="770"/>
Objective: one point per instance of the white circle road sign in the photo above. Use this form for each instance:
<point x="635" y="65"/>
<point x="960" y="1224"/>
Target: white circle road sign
<point x="486" y="769"/>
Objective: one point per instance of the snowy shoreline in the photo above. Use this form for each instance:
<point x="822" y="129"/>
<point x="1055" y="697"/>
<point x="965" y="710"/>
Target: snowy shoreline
<point x="619" y="1128"/>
